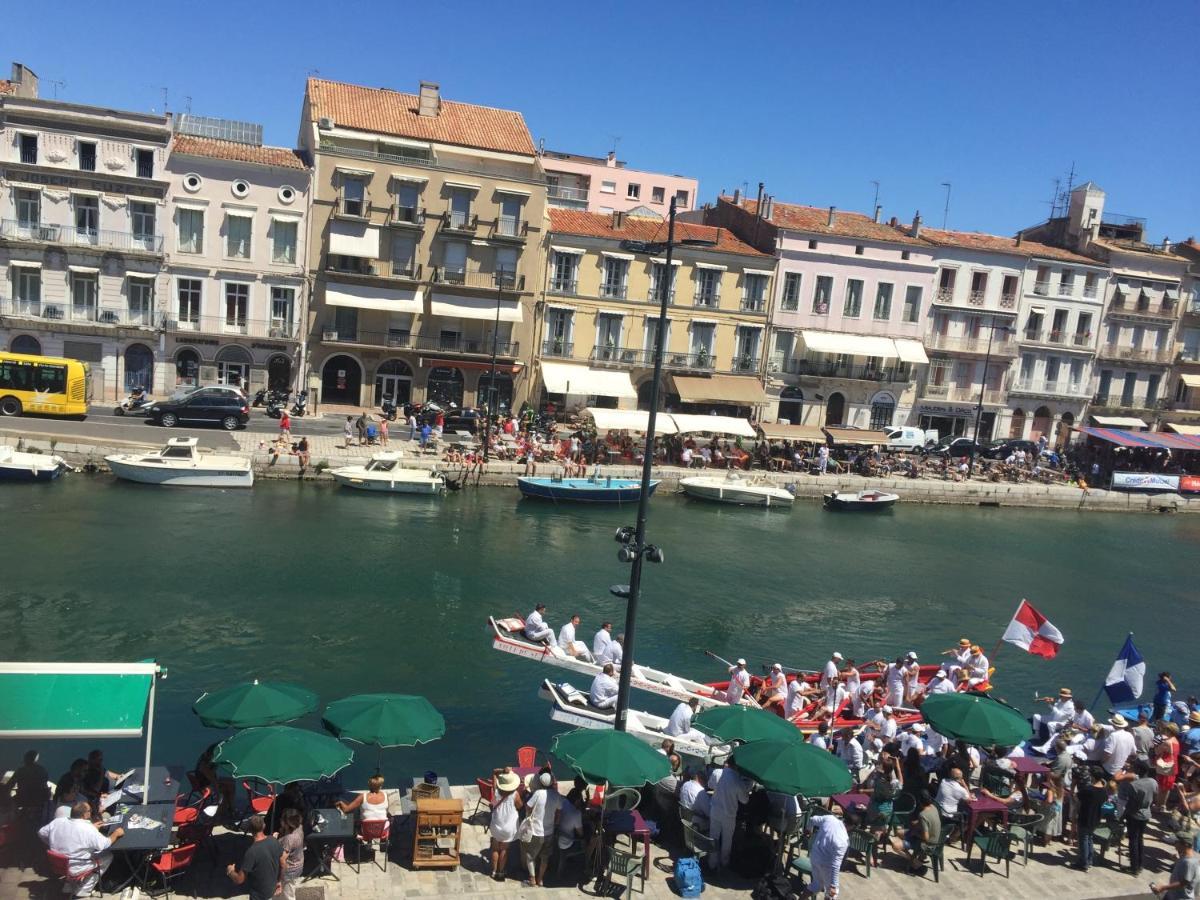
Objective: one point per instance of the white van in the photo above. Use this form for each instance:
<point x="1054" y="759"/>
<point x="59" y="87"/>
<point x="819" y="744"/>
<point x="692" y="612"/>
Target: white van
<point x="908" y="438"/>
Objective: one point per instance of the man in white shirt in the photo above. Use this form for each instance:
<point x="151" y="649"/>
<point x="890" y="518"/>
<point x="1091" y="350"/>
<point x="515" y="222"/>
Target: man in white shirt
<point x="693" y="796"/>
<point x="913" y="738"/>
<point x="616" y="650"/>
<point x="893" y="680"/>
<point x="798" y="691"/>
<point x="739" y="682"/>
<point x="952" y="792"/>
<point x="912" y="677"/>
<point x="887" y="729"/>
<point x="831" y="670"/>
<point x="680" y="723"/>
<point x="850" y="752"/>
<point x="544" y="809"/>
<point x="1061" y="711"/>
<point x="82" y="843"/>
<point x="603" y="694"/>
<point x="600" y="643"/>
<point x="977" y="666"/>
<point x="772" y="694"/>
<point x="820" y="737"/>
<point x="567" y="641"/>
<point x="536" y="628"/>
<point x="1118" y="746"/>
<point x="731" y="792"/>
<point x="1082" y="719"/>
<point x="940" y="683"/>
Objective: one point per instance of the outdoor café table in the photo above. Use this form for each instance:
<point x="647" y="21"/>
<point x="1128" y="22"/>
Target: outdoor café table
<point x="851" y="802"/>
<point x="327" y="828"/>
<point x="979" y="807"/>
<point x="165" y="783"/>
<point x="147" y="830"/>
<point x="1028" y="765"/>
<point x="324" y="792"/>
<point x="630" y="821"/>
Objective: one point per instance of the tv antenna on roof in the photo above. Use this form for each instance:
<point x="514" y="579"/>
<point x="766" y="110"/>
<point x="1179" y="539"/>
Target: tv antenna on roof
<point x="58" y="83"/>
<point x="616" y="140"/>
<point x="946" y="211"/>
<point x="875" y="205"/>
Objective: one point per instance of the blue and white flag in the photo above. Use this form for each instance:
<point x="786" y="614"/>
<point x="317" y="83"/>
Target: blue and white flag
<point x="1124" y="681"/>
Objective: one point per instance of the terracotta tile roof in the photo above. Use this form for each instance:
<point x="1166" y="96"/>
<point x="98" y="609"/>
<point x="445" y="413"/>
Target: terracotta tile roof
<point x="390" y="112"/>
<point x="814" y="220"/>
<point x="636" y="228"/>
<point x="994" y="243"/>
<point x="1140" y="248"/>
<point x="281" y="157"/>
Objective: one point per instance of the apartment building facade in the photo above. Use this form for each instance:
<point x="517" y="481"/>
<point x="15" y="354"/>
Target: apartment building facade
<point x="81" y="234"/>
<point x="604" y="184"/>
<point x="601" y="319"/>
<point x="426" y="228"/>
<point x="848" y="311"/>
<point x="238" y="224"/>
<point x="1183" y="401"/>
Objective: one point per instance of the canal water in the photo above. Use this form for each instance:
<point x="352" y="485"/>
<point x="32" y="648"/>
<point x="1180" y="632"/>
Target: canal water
<point x="346" y="593"/>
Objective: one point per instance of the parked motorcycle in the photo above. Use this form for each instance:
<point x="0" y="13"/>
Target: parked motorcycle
<point x="134" y="407"/>
<point x="300" y="407"/>
<point x="389" y="409"/>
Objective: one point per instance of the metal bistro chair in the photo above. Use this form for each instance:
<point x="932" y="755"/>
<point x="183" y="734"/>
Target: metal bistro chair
<point x="624" y="799"/>
<point x="935" y="853"/>
<point x="260" y="803"/>
<point x="1024" y="828"/>
<point x="1109" y="835"/>
<point x="698" y="843"/>
<point x="486" y="793"/>
<point x="903" y="808"/>
<point x="373" y="830"/>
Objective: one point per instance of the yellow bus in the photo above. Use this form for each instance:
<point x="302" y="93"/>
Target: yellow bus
<point x="43" y="384"/>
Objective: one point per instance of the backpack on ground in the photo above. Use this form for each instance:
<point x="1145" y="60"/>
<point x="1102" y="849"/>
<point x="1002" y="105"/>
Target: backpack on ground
<point x="688" y="879"/>
<point x="773" y="887"/>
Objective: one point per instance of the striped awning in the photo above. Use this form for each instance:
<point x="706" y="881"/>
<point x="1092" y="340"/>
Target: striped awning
<point x="1160" y="440"/>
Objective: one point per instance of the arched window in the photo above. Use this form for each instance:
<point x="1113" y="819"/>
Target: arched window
<point x="279" y="373"/>
<point x="187" y="366"/>
<point x="1043" y="420"/>
<point x="1017" y="428"/>
<point x="791" y="404"/>
<point x="233" y="365"/>
<point x="393" y="381"/>
<point x="835" y="409"/>
<point x="883" y="411"/>
<point x="26" y="343"/>
<point x="139" y="367"/>
<point x="341" y="380"/>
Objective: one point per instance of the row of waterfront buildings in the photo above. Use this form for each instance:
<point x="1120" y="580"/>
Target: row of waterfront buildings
<point x="405" y="236"/>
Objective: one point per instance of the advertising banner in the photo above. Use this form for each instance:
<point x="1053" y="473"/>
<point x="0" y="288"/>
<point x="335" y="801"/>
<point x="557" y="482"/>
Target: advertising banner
<point x="1144" y="481"/>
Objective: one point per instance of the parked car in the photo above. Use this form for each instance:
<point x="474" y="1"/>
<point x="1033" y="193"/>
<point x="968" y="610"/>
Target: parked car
<point x="954" y="448"/>
<point x="204" y="406"/>
<point x="906" y="437"/>
<point x="1002" y="447"/>
<point x="224" y="390"/>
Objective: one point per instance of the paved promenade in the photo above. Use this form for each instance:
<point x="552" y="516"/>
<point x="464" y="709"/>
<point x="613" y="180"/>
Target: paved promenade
<point x="23" y="875"/>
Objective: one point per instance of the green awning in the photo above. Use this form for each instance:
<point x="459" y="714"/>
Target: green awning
<point x="64" y="700"/>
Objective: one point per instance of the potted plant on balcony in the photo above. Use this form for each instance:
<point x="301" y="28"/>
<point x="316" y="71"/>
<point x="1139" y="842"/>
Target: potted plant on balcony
<point x="558" y="346"/>
<point x="702" y="357"/>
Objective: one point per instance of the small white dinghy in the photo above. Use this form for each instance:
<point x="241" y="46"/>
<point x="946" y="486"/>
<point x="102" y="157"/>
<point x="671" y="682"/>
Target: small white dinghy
<point x="863" y="501"/>
<point x="180" y="463"/>
<point x="17" y="465"/>
<point x="385" y="473"/>
<point x="737" y="489"/>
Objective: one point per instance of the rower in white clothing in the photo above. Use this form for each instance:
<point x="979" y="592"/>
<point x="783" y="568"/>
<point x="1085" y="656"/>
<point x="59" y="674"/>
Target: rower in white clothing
<point x="600" y="643"/>
<point x="831" y="669"/>
<point x="739" y="682"/>
<point x="536" y="628"/>
<point x="893" y="679"/>
<point x="976" y="666"/>
<point x="603" y="694"/>
<point x="567" y="641"/>
<point x="680" y="723"/>
<point x="772" y="694"/>
<point x="616" y="650"/>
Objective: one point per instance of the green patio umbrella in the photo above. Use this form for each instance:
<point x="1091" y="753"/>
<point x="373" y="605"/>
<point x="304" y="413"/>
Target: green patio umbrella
<point x="385" y="720"/>
<point x="278" y="754"/>
<point x="793" y="767"/>
<point x="976" y="718"/>
<point x="605" y="755"/>
<point x="254" y="703"/>
<point x="744" y="723"/>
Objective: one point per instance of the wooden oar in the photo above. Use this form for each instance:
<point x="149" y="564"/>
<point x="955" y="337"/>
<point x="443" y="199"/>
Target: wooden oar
<point x="792" y="671"/>
<point x="727" y="663"/>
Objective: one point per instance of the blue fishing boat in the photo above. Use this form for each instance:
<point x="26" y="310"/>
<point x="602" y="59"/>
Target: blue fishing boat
<point x="596" y="489"/>
<point x="16" y="465"/>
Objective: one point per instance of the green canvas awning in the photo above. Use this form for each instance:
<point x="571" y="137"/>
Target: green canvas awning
<point x="67" y="700"/>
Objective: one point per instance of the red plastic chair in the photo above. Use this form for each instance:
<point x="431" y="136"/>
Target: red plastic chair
<point x="373" y="830"/>
<point x="173" y="864"/>
<point x="486" y="793"/>
<point x="187" y="813"/>
<point x="60" y="865"/>
<point x="260" y="804"/>
<point x="526" y="757"/>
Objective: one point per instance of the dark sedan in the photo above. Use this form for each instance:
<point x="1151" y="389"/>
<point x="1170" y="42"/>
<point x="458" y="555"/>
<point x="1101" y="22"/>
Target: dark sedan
<point x="1000" y="449"/>
<point x="202" y="408"/>
<point x="953" y="448"/>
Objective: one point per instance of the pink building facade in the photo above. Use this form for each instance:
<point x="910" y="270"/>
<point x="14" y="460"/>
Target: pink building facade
<point x="607" y="185"/>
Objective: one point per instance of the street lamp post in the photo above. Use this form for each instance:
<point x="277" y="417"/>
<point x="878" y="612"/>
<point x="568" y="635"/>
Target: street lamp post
<point x="635" y="550"/>
<point x="987" y="358"/>
<point x="491" y="394"/>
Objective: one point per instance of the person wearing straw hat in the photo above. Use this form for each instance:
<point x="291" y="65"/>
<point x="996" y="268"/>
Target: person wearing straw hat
<point x="976" y="666"/>
<point x="1118" y="746"/>
<point x="1191" y="737"/>
<point x="506" y="803"/>
<point x="1062" y="710"/>
<point x="960" y="653"/>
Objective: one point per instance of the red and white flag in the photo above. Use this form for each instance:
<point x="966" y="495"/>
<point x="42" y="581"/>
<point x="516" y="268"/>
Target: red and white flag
<point x="1032" y="632"/>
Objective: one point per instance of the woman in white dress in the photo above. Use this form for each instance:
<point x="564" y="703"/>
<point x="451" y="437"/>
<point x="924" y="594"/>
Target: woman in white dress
<point x="506" y="803"/>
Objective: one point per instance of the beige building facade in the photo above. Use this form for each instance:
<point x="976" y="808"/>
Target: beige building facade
<point x="425" y="246"/>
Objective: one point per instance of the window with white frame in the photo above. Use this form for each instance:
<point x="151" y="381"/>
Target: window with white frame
<point x="701" y="345"/>
<point x="559" y="329"/>
<point x="354" y="197"/>
<point x="283" y="304"/>
<point x="506" y="267"/>
<point x="822" y="294"/>
<point x="237" y="235"/>
<point x="187" y="296"/>
<point x="912" y="303"/>
<point x="564" y="277"/>
<point x="883" y="301"/>
<point x="460" y="208"/>
<point x="852" y="308"/>
<point x="87" y="217"/>
<point x="653" y="324"/>
<point x="791" y="291"/>
<point x="283" y="241"/>
<point x="404" y="255"/>
<point x="509" y="223"/>
<point x="681" y="198"/>
<point x="27" y="288"/>
<point x="29" y="207"/>
<point x="608" y="335"/>
<point x="746" y="349"/>
<point x="754" y="292"/>
<point x="408" y="199"/>
<point x="616" y="274"/>
<point x="142" y="218"/>
<point x="658" y="195"/>
<point x="141" y="300"/>
<point x="608" y="187"/>
<point x="708" y="287"/>
<point x="633" y="191"/>
<point x="237" y="305"/>
<point x="84" y="295"/>
<point x="191" y="229"/>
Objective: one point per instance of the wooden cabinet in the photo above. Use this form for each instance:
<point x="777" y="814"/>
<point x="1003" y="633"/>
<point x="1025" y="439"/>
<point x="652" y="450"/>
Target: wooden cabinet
<point x="437" y="834"/>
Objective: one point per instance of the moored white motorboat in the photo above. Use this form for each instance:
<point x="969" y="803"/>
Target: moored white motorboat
<point x="508" y="636"/>
<point x="385" y="473"/>
<point x="18" y="465"/>
<point x="572" y="706"/>
<point x="862" y="501"/>
<point x="736" y="489"/>
<point x="181" y="464"/>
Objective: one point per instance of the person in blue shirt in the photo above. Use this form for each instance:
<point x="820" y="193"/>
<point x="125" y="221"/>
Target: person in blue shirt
<point x="1163" y="688"/>
<point x="1191" y="737"/>
<point x="426" y="431"/>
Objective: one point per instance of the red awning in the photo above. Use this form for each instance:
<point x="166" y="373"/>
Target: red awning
<point x="1160" y="440"/>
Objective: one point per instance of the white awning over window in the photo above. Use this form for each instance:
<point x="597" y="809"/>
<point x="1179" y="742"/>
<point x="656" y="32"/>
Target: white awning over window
<point x="910" y="351"/>
<point x="565" y="378"/>
<point x="714" y="266"/>
<point x="1119" y="422"/>
<point x="371" y="297"/>
<point x="616" y="255"/>
<point x="662" y="261"/>
<point x="474" y="308"/>
<point x="574" y="251"/>
<point x="1192" y="381"/>
<point x="766" y="272"/>
<point x="629" y="420"/>
<point x="24" y="264"/>
<point x="353" y="239"/>
<point x="466" y="185"/>
<point x="849" y="344"/>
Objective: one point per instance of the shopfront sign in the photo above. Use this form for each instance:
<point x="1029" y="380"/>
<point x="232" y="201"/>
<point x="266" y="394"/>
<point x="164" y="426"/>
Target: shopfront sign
<point x="1144" y="481"/>
<point x="1189" y="484"/>
<point x="937" y="409"/>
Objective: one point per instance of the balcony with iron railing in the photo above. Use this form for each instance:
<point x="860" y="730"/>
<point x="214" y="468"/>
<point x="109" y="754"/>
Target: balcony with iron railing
<point x="458" y="345"/>
<point x="971" y="345"/>
<point x="510" y="228"/>
<point x="358" y="209"/>
<point x="1123" y="306"/>
<point x="407" y="216"/>
<point x="1123" y="400"/>
<point x="1008" y="301"/>
<point x="564" y="285"/>
<point x="372" y="268"/>
<point x="1081" y="339"/>
<point x="1136" y="354"/>
<point x="745" y="364"/>
<point x="558" y="348"/>
<point x="69" y="235"/>
<point x="613" y="291"/>
<point x="631" y="357"/>
<point x="502" y="279"/>
<point x="279" y="329"/>
<point x="567" y="196"/>
<point x="1090" y="291"/>
<point x="944" y="296"/>
<point x="1040" y="387"/>
<point x="754" y="304"/>
<point x="457" y="222"/>
<point x="1192" y="308"/>
<point x="707" y="299"/>
<point x="84" y="314"/>
<point x="976" y="298"/>
<point x="425" y="159"/>
<point x="1041" y="288"/>
<point x="1066" y="288"/>
<point x="851" y="371"/>
<point x="952" y="393"/>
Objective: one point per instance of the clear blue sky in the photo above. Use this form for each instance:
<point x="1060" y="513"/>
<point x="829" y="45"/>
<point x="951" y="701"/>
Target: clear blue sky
<point x="816" y="99"/>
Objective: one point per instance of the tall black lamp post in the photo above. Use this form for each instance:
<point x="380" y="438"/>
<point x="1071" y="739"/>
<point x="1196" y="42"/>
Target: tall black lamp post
<point x="634" y="549"/>
<point x="987" y="358"/>
<point x="501" y="275"/>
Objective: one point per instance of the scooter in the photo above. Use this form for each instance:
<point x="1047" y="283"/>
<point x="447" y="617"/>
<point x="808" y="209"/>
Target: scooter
<point x="300" y="407"/>
<point x="389" y="409"/>
<point x="132" y="407"/>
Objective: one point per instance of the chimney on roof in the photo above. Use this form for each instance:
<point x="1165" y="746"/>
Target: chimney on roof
<point x="1020" y="237"/>
<point x="25" y="82"/>
<point x="429" y="101"/>
<point x="1166" y="245"/>
<point x="916" y="228"/>
<point x="894" y="222"/>
<point x="832" y="216"/>
<point x="611" y="160"/>
<point x="769" y="203"/>
<point x="737" y="196"/>
<point x="618" y="220"/>
<point x="878" y="211"/>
